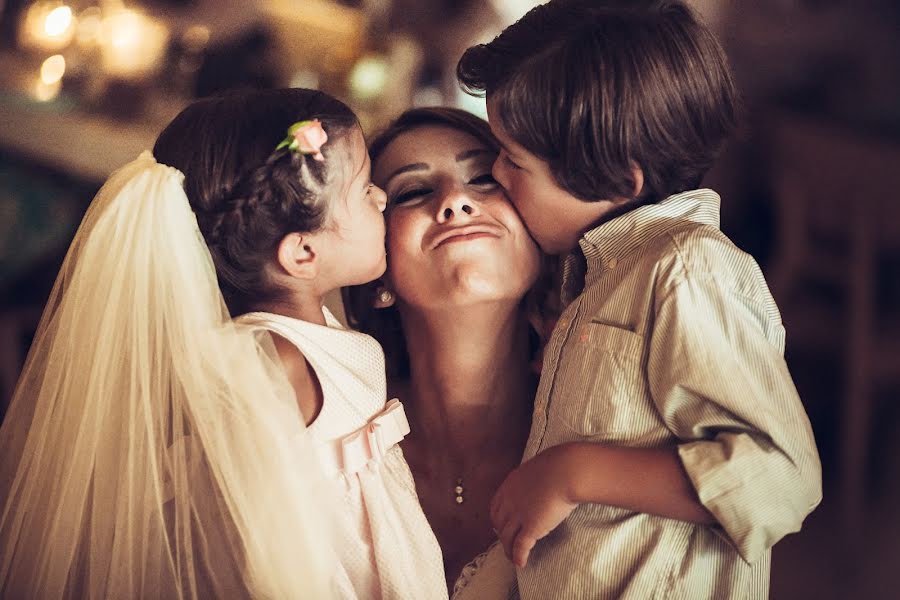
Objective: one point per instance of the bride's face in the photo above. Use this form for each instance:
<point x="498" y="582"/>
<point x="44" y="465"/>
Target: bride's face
<point x="453" y="238"/>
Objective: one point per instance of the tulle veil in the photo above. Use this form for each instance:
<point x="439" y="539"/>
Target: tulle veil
<point x="152" y="449"/>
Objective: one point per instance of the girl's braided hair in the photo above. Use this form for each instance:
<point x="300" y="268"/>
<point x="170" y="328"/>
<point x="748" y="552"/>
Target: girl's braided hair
<point x="247" y="196"/>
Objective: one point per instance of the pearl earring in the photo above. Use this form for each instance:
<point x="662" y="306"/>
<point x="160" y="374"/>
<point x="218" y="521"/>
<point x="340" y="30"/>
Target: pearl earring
<point x="384" y="297"/>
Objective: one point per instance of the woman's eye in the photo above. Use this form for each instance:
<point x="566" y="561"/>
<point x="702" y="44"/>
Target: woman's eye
<point x="486" y="179"/>
<point x="410" y="195"/>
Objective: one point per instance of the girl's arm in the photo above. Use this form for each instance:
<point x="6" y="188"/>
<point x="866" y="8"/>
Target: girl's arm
<point x="302" y="378"/>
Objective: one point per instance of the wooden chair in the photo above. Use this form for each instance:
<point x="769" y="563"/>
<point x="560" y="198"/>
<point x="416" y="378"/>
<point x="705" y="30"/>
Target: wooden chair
<point x="837" y="196"/>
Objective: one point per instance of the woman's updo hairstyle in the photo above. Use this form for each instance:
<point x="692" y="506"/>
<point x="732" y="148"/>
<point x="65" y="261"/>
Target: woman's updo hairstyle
<point x="247" y="196"/>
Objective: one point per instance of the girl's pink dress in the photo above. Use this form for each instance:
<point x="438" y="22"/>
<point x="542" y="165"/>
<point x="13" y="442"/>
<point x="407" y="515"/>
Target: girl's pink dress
<point x="385" y="547"/>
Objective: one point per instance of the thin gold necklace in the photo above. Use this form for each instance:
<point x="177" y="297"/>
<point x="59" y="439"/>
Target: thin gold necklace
<point x="459" y="491"/>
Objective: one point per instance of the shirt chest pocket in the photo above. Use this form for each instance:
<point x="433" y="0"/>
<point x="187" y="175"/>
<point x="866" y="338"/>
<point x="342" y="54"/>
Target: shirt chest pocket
<point x="599" y="381"/>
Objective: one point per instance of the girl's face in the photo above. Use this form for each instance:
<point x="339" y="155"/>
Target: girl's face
<point x="453" y="237"/>
<point x="356" y="252"/>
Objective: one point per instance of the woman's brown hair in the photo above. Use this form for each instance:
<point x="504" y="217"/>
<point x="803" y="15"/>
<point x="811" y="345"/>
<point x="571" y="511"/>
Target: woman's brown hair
<point x="595" y="87"/>
<point x="247" y="196"/>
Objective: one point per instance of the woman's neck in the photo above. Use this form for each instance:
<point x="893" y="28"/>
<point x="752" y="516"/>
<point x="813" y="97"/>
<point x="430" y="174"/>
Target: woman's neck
<point x="471" y="389"/>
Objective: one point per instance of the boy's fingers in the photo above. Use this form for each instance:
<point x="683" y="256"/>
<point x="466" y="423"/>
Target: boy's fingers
<point x="507" y="535"/>
<point x="495" y="507"/>
<point x="522" y="548"/>
<point x="501" y="514"/>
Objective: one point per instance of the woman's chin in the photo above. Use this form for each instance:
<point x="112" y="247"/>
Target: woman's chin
<point x="476" y="285"/>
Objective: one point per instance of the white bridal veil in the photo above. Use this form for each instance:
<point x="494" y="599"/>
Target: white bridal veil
<point x="151" y="449"/>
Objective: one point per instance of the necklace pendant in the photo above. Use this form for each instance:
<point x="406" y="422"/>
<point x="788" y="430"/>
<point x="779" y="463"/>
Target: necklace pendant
<point x="459" y="490"/>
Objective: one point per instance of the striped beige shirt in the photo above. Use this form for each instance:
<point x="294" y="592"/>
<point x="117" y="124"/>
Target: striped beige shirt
<point x="675" y="341"/>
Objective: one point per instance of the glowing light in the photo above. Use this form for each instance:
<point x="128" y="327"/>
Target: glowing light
<point x="53" y="69"/>
<point x="45" y="92"/>
<point x="58" y="21"/>
<point x="47" y="26"/>
<point x="368" y="78"/>
<point x="132" y="44"/>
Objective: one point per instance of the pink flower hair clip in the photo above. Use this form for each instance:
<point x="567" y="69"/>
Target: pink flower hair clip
<point x="305" y="137"/>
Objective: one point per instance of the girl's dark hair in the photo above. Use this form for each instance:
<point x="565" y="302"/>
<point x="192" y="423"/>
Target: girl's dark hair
<point x="384" y="324"/>
<point x="590" y="86"/>
<point x="247" y="196"/>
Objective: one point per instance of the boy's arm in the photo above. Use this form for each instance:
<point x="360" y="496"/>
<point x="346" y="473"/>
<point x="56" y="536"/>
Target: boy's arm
<point x="747" y="459"/>
<point x="540" y="493"/>
<point x="718" y="378"/>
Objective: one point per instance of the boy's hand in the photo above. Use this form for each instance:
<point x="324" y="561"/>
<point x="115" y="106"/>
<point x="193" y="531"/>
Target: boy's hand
<point x="532" y="501"/>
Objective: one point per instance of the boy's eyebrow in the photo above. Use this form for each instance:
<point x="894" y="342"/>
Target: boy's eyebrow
<point x="507" y="150"/>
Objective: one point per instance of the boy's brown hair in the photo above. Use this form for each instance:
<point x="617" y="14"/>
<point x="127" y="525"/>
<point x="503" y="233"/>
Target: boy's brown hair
<point x="595" y="87"/>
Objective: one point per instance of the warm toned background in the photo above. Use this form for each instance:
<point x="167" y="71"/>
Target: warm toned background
<point x="810" y="189"/>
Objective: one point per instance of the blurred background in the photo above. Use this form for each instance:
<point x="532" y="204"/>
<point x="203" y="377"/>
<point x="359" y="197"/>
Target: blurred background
<point x="809" y="189"/>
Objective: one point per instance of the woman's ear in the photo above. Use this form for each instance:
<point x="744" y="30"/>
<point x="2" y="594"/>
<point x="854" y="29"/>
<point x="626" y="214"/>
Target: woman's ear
<point x="297" y="256"/>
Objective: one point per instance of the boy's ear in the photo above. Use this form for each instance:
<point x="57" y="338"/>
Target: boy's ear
<point x="637" y="175"/>
<point x="297" y="256"/>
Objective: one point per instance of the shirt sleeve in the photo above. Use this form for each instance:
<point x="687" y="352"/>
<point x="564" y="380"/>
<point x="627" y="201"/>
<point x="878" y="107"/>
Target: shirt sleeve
<point x="719" y="380"/>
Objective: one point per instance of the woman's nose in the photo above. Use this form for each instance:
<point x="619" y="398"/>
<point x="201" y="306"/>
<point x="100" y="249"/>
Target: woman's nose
<point x="456" y="204"/>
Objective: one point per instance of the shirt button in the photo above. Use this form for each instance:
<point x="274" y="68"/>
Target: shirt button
<point x="612" y="263"/>
<point x="563" y="323"/>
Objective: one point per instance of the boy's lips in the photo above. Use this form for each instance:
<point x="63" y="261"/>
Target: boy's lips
<point x="462" y="234"/>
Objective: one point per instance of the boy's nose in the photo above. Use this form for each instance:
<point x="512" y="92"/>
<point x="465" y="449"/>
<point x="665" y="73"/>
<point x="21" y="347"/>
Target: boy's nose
<point x="380" y="197"/>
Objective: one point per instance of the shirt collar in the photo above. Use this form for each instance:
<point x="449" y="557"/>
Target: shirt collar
<point x="610" y="242"/>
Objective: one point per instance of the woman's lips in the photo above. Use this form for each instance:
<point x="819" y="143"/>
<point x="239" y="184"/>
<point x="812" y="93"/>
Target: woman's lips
<point x="463" y="234"/>
<point x="465" y="237"/>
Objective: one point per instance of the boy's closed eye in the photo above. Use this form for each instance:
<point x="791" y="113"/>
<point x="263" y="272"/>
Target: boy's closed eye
<point x="510" y="163"/>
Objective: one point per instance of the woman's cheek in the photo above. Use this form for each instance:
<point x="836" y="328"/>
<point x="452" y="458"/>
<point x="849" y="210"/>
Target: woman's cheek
<point x="402" y="237"/>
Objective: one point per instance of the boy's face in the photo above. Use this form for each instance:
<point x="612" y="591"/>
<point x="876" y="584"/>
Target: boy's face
<point x="554" y="217"/>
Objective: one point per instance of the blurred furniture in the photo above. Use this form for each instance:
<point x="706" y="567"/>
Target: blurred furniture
<point x="838" y="213"/>
<point x="83" y="145"/>
<point x="318" y="37"/>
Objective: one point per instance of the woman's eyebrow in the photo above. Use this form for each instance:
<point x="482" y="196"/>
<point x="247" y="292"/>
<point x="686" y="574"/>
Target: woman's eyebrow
<point x="472" y="154"/>
<point x="407" y="169"/>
